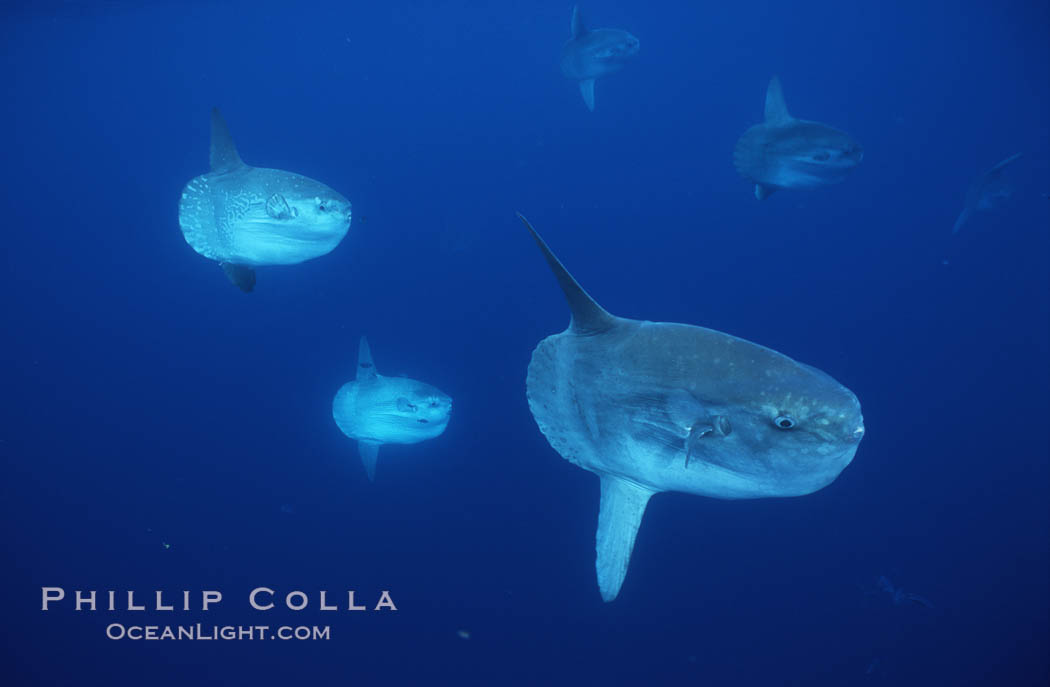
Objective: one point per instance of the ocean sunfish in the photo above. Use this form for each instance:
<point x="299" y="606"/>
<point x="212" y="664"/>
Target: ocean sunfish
<point x="379" y="410"/>
<point x="654" y="406"/>
<point x="987" y="192"/>
<point x="246" y="217"/>
<point x="784" y="152"/>
<point x="592" y="54"/>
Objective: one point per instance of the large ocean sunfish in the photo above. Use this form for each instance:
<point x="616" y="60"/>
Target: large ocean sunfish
<point x="592" y="54"/>
<point x="246" y="217"/>
<point x="379" y="410"/>
<point x="988" y="192"/>
<point x="784" y="152"/>
<point x="654" y="406"/>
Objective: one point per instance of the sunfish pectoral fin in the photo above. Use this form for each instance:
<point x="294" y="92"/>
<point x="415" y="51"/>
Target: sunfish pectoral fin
<point x="278" y="208"/>
<point x="762" y="191"/>
<point x="241" y="275"/>
<point x="716" y="426"/>
<point x="577" y="27"/>
<point x="366" y="369"/>
<point x="622" y="506"/>
<point x="587" y="91"/>
<point x="776" y="108"/>
<point x="369" y="455"/>
<point x="224" y="157"/>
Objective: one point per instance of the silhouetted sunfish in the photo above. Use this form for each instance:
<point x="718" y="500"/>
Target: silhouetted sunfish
<point x="379" y="410"/>
<point x="654" y="406"/>
<point x="784" y="152"/>
<point x="987" y="192"/>
<point x="592" y="54"/>
<point x="246" y="217"/>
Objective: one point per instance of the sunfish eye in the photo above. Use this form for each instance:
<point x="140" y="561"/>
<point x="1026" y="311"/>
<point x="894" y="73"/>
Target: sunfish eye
<point x="784" y="422"/>
<point x="321" y="207"/>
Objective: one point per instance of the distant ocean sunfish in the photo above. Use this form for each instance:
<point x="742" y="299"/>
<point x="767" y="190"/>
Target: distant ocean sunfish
<point x="379" y="410"/>
<point x="589" y="55"/>
<point x="245" y="217"/>
<point x="784" y="152"/>
<point x="987" y="192"/>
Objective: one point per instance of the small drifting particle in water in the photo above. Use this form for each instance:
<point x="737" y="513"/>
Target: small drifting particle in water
<point x="287" y="508"/>
<point x="166" y="545"/>
<point x="463" y="634"/>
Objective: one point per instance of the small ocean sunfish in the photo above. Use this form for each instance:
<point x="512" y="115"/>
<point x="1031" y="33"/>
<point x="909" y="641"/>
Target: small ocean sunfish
<point x="784" y="152"/>
<point x="987" y="192"/>
<point x="592" y="54"/>
<point x="379" y="410"/>
<point x="245" y="217"/>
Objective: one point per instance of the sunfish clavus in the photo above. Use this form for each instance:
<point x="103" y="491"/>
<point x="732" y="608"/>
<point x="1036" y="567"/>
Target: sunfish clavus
<point x="246" y="217"/>
<point x="379" y="410"/>
<point x="590" y="54"/>
<point x="655" y="406"/>
<point x="784" y="152"/>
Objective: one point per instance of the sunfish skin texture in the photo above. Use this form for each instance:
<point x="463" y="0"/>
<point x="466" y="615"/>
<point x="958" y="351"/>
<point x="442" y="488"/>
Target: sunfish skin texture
<point x="652" y="406"/>
<point x="377" y="410"/>
<point x="787" y="153"/>
<point x="589" y="55"/>
<point x="248" y="217"/>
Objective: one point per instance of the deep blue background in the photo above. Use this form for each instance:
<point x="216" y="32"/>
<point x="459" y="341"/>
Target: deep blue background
<point x="147" y="401"/>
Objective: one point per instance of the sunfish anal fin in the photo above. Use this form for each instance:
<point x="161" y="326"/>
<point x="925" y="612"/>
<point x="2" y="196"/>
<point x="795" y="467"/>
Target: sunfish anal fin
<point x="224" y="157"/>
<point x="587" y="316"/>
<point x="776" y="108"/>
<point x="366" y="369"/>
<point x="369" y="454"/>
<point x="762" y="191"/>
<point x="587" y="91"/>
<point x="241" y="275"/>
<point x="622" y="506"/>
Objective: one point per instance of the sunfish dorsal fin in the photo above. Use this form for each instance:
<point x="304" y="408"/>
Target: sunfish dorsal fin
<point x="619" y="515"/>
<point x="587" y="316"/>
<point x="369" y="455"/>
<point x="577" y="27"/>
<point x="1008" y="161"/>
<point x="776" y="108"/>
<point x="224" y="157"/>
<point x="366" y="369"/>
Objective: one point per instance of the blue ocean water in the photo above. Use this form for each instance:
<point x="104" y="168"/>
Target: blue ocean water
<point x="164" y="431"/>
